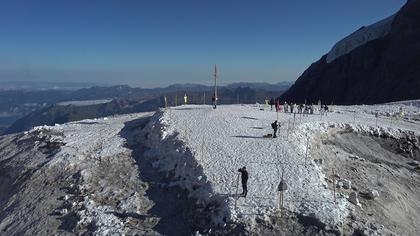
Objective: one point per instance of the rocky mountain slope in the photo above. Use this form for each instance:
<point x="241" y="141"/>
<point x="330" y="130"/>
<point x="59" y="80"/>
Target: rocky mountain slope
<point x="378" y="63"/>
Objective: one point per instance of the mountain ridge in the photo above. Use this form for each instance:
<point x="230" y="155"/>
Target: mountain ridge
<point x="382" y="70"/>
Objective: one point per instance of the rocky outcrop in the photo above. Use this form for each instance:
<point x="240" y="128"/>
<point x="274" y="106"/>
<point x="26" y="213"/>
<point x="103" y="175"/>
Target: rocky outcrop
<point x="380" y="69"/>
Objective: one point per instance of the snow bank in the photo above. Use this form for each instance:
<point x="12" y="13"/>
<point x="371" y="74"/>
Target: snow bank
<point x="177" y="159"/>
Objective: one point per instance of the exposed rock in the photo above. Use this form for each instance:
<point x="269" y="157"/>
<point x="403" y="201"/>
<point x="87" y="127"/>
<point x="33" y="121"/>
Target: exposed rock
<point x="353" y="198"/>
<point x="339" y="184"/>
<point x="318" y="161"/>
<point x="354" y="157"/>
<point x="414" y="163"/>
<point x="372" y="194"/>
<point x="346" y="183"/>
<point x="391" y="61"/>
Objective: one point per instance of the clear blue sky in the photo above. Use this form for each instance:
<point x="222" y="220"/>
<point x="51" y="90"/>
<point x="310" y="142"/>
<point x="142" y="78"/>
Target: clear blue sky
<point x="157" y="43"/>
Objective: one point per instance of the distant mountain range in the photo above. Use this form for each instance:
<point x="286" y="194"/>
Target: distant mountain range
<point x="376" y="64"/>
<point x="281" y="86"/>
<point x="26" y="109"/>
<point x="34" y="86"/>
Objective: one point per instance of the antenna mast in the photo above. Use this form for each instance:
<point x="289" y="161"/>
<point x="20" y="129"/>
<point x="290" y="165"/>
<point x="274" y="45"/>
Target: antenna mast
<point x="215" y="87"/>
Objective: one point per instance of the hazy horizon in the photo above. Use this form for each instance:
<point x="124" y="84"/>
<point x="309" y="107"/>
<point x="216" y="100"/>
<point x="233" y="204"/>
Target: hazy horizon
<point x="77" y="85"/>
<point x="158" y="43"/>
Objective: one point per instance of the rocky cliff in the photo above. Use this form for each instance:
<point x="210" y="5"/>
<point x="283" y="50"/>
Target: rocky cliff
<point x="378" y="63"/>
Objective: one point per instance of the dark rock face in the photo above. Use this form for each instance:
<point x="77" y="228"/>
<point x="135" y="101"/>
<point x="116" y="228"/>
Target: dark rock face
<point x="382" y="70"/>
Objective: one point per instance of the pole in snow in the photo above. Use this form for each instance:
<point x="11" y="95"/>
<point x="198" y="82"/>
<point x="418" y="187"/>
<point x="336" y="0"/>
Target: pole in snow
<point x="215" y="88"/>
<point x="334" y="184"/>
<point x="307" y="147"/>
<point x="202" y="149"/>
<point x="236" y="193"/>
<point x="281" y="188"/>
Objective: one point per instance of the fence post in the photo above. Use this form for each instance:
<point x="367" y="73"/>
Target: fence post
<point x="334" y="183"/>
<point x="307" y="147"/>
<point x="236" y="192"/>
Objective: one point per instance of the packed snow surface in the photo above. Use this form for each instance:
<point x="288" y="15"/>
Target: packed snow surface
<point x="206" y="147"/>
<point x="360" y="37"/>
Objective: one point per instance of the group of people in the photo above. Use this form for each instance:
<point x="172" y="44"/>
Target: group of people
<point x="291" y="108"/>
<point x="298" y="108"/>
<point x="323" y="110"/>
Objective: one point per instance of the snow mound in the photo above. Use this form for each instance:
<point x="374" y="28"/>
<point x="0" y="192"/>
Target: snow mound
<point x="360" y="37"/>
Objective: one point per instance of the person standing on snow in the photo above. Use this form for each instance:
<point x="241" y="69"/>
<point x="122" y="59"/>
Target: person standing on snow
<point x="274" y="125"/>
<point x="244" y="180"/>
<point x="214" y="101"/>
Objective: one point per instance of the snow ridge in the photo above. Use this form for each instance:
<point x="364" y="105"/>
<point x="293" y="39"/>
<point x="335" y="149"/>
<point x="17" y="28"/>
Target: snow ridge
<point x="177" y="159"/>
<point x="360" y="37"/>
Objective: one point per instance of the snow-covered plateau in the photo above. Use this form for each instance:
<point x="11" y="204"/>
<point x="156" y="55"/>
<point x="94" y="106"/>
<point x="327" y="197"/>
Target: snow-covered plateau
<point x="159" y="173"/>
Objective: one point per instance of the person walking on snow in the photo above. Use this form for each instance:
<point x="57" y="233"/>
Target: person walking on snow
<point x="274" y="125"/>
<point x="244" y="180"/>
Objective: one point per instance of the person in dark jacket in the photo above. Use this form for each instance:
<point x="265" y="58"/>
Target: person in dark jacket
<point x="275" y="126"/>
<point x="244" y="180"/>
<point x="213" y="100"/>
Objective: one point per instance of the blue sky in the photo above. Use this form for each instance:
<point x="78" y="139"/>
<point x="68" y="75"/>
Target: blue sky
<point x="157" y="43"/>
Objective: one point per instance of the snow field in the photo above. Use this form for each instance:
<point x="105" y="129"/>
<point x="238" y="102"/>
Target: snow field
<point x="204" y="148"/>
<point x="201" y="149"/>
